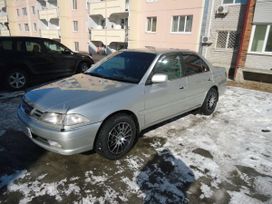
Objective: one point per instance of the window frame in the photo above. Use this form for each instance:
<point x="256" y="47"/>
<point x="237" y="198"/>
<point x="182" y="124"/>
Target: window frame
<point x="18" y="12"/>
<point x="263" y="52"/>
<point x="151" y="24"/>
<point x="76" y="44"/>
<point x="33" y="10"/>
<point x="227" y="40"/>
<point x="74" y="4"/>
<point x="24" y="11"/>
<point x="26" y="27"/>
<point x="196" y="73"/>
<point x="75" y="28"/>
<point x="185" y="24"/>
<point x="233" y="3"/>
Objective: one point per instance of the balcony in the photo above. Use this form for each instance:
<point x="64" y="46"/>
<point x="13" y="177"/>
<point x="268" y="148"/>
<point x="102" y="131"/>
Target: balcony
<point x="49" y="14"/>
<point x="2" y="4"/>
<point x="4" y="33"/>
<point x="50" y="33"/>
<point x="108" y="7"/>
<point x="3" y="19"/>
<point x="108" y="36"/>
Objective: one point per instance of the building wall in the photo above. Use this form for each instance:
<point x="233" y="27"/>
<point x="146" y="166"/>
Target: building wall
<point x="262" y="16"/>
<point x="163" y="38"/>
<point x="67" y="16"/>
<point x="232" y="21"/>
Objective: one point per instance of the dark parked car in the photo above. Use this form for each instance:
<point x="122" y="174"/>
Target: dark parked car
<point x="27" y="59"/>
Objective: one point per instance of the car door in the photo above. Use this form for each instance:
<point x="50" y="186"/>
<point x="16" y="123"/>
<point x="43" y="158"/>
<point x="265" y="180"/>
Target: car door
<point x="165" y="100"/>
<point x="31" y="53"/>
<point x="64" y="59"/>
<point x="199" y="77"/>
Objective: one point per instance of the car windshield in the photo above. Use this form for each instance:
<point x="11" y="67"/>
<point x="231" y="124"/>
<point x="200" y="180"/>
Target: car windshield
<point x="126" y="66"/>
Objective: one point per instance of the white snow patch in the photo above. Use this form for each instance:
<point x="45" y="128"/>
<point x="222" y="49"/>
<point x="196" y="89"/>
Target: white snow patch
<point x="206" y="191"/>
<point x="242" y="198"/>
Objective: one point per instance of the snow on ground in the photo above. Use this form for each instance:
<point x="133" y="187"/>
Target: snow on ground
<point x="204" y="158"/>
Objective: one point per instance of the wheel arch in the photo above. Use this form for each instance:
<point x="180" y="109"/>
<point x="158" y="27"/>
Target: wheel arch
<point x="127" y="112"/>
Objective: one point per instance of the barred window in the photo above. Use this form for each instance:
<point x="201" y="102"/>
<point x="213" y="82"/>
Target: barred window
<point x="227" y="39"/>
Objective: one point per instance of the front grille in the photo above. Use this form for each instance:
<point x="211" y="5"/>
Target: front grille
<point x="31" y="111"/>
<point x="27" y="108"/>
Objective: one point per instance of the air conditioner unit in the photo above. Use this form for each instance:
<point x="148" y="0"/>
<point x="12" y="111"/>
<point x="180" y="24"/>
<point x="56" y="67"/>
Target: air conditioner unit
<point x="223" y="9"/>
<point x="205" y="40"/>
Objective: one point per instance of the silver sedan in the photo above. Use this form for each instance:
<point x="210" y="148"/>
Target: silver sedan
<point x="107" y="107"/>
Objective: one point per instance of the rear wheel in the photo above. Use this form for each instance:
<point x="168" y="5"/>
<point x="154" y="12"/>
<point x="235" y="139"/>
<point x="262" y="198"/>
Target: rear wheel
<point x="210" y="102"/>
<point x="83" y="67"/>
<point x="116" y="137"/>
<point x="16" y="79"/>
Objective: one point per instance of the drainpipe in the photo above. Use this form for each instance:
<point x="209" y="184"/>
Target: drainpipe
<point x="245" y="24"/>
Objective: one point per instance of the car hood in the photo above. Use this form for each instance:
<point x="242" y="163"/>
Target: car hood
<point x="69" y="93"/>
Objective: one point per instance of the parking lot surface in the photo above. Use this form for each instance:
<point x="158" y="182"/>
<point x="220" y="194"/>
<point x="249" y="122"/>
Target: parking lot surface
<point x="222" y="158"/>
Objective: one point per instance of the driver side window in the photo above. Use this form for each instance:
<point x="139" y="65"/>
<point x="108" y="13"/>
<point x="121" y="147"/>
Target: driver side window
<point x="169" y="65"/>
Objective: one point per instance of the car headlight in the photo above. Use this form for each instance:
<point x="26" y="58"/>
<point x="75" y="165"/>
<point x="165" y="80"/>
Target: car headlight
<point x="74" y="119"/>
<point x="64" y="119"/>
<point x="53" y="118"/>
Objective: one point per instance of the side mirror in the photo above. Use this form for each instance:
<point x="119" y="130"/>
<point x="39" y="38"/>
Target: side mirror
<point x="67" y="52"/>
<point x="159" y="78"/>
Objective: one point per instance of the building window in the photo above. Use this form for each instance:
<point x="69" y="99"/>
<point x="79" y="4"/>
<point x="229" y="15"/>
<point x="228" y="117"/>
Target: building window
<point x="227" y="39"/>
<point x="33" y="10"/>
<point x="74" y="4"/>
<point x="20" y="27"/>
<point x="35" y="27"/>
<point x="24" y="12"/>
<point x="151" y="24"/>
<point x="26" y="27"/>
<point x="182" y="24"/>
<point x="76" y="46"/>
<point x="75" y="26"/>
<point x="18" y="12"/>
<point x="262" y="39"/>
<point x="234" y="1"/>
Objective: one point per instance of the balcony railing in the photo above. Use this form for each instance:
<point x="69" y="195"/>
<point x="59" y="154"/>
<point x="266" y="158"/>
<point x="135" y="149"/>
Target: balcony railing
<point x="49" y="13"/>
<point x="2" y="3"/>
<point x="108" y="7"/>
<point x="4" y="33"/>
<point x="108" y="35"/>
<point x="3" y="19"/>
<point x="50" y="33"/>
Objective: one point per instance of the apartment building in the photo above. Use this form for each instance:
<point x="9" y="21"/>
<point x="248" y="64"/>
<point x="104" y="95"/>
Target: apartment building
<point x="222" y="32"/>
<point x="166" y="24"/>
<point x="108" y="25"/>
<point x="3" y="19"/>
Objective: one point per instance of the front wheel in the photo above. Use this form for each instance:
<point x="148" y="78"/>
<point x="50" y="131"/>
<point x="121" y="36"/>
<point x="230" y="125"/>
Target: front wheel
<point x="116" y="136"/>
<point x="210" y="102"/>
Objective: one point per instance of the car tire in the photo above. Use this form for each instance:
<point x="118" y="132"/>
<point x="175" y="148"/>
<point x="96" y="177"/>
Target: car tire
<point x="83" y="66"/>
<point x="210" y="102"/>
<point x="16" y="79"/>
<point x="116" y="136"/>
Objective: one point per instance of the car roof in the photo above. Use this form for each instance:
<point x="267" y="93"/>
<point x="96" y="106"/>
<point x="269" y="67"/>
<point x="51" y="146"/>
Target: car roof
<point x="159" y="51"/>
<point x="23" y="37"/>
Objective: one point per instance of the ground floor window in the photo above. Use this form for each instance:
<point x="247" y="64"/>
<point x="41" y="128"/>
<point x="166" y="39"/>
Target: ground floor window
<point x="261" y="41"/>
<point x="227" y="39"/>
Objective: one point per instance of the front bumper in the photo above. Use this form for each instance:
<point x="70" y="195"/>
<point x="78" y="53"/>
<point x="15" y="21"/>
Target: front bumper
<point x="67" y="142"/>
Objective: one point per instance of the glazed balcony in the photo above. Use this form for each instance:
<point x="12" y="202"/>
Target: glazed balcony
<point x="48" y="14"/>
<point x="2" y="4"/>
<point x="108" y="35"/>
<point x="108" y="7"/>
<point x="50" y="33"/>
<point x="3" y="19"/>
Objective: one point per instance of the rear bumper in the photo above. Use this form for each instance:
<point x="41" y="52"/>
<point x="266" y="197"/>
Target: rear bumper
<point x="62" y="142"/>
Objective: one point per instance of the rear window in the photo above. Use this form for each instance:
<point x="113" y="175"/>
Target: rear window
<point x="6" y="45"/>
